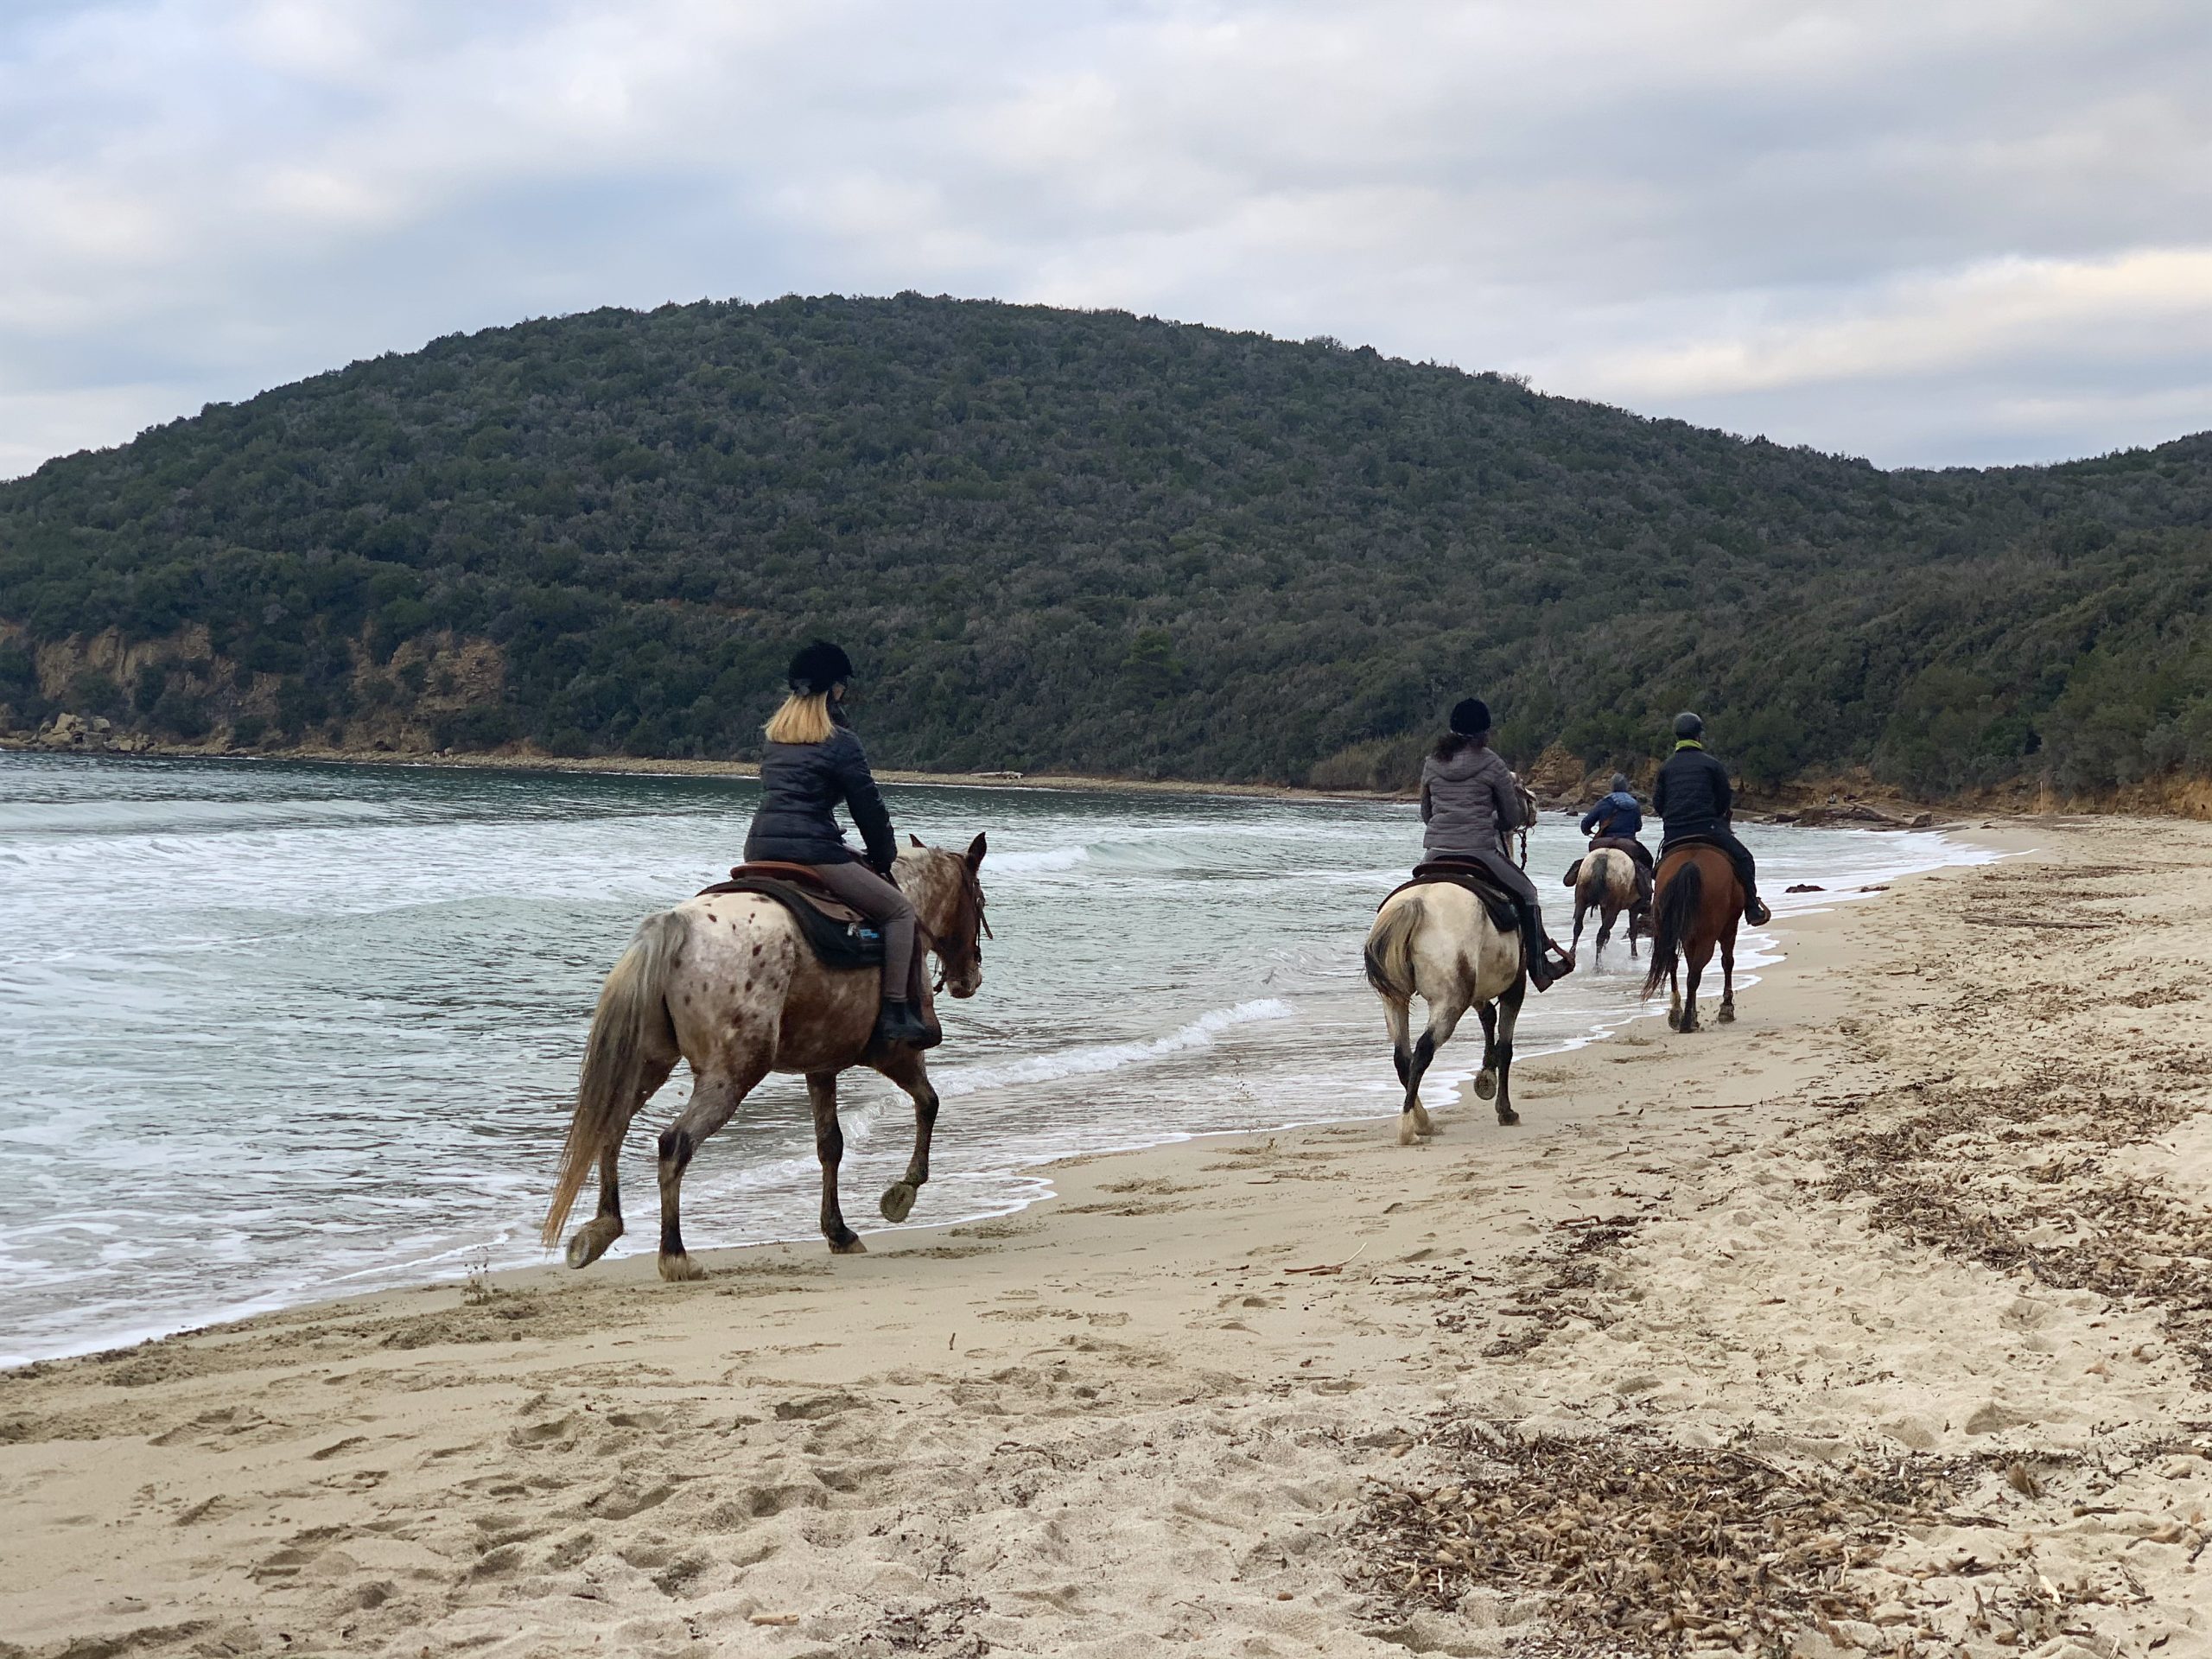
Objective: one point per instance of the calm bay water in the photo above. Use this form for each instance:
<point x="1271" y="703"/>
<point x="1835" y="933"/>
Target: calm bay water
<point x="273" y="1032"/>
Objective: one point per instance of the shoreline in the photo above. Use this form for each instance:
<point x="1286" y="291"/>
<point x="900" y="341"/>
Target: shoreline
<point x="631" y="766"/>
<point x="1791" y="799"/>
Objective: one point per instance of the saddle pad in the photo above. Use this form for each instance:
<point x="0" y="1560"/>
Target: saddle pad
<point x="839" y="934"/>
<point x="1627" y="844"/>
<point x="1503" y="914"/>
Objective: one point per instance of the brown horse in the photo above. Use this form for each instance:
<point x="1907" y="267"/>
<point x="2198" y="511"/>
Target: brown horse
<point x="726" y="982"/>
<point x="1695" y="906"/>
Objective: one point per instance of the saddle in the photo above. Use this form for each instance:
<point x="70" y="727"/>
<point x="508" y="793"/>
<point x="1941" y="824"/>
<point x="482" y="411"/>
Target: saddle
<point x="839" y="934"/>
<point x="1505" y="914"/>
<point x="1691" y="841"/>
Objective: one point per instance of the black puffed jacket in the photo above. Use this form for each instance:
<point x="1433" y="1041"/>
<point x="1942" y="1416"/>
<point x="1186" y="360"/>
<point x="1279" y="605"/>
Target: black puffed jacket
<point x="1692" y="792"/>
<point x="802" y="785"/>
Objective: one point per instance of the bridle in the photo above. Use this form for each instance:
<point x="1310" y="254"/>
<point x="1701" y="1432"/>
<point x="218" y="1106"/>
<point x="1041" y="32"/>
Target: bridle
<point x="971" y="902"/>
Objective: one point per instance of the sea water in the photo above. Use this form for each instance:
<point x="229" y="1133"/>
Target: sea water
<point x="272" y="1032"/>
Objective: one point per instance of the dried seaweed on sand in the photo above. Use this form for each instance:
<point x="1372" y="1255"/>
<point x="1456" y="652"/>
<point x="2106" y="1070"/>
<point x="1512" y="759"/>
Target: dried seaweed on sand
<point x="1639" y="1545"/>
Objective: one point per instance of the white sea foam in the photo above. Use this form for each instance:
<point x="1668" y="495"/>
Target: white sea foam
<point x="1046" y="860"/>
<point x="1200" y="1033"/>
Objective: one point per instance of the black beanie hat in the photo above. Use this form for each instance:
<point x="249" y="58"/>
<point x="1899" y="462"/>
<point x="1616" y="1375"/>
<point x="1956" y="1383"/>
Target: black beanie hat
<point x="1687" y="725"/>
<point x="817" y="667"/>
<point x="1471" y="717"/>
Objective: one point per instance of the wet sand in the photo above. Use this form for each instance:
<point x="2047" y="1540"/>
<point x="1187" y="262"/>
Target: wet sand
<point x="1882" y="1317"/>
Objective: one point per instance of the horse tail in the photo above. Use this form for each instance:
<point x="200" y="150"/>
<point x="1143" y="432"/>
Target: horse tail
<point x="1674" y="914"/>
<point x="1390" y="954"/>
<point x="629" y="1007"/>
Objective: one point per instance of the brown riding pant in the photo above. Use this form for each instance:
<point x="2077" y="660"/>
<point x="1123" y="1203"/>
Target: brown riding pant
<point x="877" y="900"/>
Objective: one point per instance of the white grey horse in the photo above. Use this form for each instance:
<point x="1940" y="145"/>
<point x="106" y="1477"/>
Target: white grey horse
<point x="1436" y="941"/>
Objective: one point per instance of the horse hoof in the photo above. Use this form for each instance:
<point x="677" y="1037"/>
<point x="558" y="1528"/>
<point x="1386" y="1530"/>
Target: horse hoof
<point x="1507" y="1116"/>
<point x="680" y="1269"/>
<point x="1408" y="1135"/>
<point x="1674" y="1022"/>
<point x="1727" y="1015"/>
<point x="853" y="1245"/>
<point x="898" y="1201"/>
<point x="1486" y="1086"/>
<point x="588" y="1244"/>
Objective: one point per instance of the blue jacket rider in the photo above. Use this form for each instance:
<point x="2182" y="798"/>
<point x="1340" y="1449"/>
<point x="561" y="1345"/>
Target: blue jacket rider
<point x="1618" y="814"/>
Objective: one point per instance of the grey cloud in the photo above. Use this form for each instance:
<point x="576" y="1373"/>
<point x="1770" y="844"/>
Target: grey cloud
<point x="1772" y="217"/>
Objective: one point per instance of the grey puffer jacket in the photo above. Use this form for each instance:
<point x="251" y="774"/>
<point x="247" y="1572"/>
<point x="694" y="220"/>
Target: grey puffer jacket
<point x="1468" y="802"/>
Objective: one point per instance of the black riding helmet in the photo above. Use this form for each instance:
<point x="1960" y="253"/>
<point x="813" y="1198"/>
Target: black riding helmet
<point x="817" y="667"/>
<point x="1471" y="717"/>
<point x="1689" y="726"/>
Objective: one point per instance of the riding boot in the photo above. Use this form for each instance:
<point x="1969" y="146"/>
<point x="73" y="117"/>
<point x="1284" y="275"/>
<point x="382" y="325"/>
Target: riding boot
<point x="897" y="1023"/>
<point x="1535" y="952"/>
<point x="1755" y="911"/>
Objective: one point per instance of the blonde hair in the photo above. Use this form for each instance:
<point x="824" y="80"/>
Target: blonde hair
<point x="801" y="720"/>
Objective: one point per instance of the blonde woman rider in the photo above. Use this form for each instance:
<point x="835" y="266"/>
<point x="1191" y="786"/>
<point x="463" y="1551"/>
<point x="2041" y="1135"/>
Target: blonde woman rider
<point x="813" y="763"/>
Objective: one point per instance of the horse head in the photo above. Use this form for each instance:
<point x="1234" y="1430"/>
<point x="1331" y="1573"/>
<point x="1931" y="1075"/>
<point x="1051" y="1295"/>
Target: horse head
<point x="949" y="902"/>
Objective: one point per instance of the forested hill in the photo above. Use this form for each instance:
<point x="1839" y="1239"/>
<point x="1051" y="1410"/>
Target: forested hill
<point x="1087" y="541"/>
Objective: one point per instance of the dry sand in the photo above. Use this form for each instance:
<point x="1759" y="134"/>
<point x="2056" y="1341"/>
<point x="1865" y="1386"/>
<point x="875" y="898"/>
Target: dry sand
<point x="1879" y="1319"/>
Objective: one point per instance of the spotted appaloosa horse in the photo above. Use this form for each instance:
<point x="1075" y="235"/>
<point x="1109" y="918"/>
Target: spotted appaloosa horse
<point x="1607" y="884"/>
<point x="1695" y="906"/>
<point x="726" y="982"/>
<point x="1436" y="941"/>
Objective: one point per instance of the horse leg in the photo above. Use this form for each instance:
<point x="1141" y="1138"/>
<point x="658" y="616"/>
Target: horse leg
<point x="829" y="1147"/>
<point x="1398" y="1017"/>
<point x="1413" y="1120"/>
<point x="1486" y="1080"/>
<point x="1689" y="1003"/>
<point x="589" y="1242"/>
<point x="1509" y="1015"/>
<point x="904" y="1067"/>
<point x="1606" y="915"/>
<point x="1727" y="1015"/>
<point x="1575" y="944"/>
<point x="714" y="1100"/>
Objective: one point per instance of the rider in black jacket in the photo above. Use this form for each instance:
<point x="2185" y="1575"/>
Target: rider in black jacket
<point x="811" y="765"/>
<point x="1692" y="794"/>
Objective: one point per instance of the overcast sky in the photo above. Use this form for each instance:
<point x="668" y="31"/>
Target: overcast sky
<point x="1928" y="232"/>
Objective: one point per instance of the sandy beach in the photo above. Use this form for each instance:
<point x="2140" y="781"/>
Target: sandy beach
<point x="1880" y="1319"/>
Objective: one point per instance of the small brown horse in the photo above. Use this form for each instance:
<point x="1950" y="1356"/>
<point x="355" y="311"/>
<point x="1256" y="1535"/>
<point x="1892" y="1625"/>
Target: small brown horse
<point x="1695" y="906"/>
<point x="726" y="982"/>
